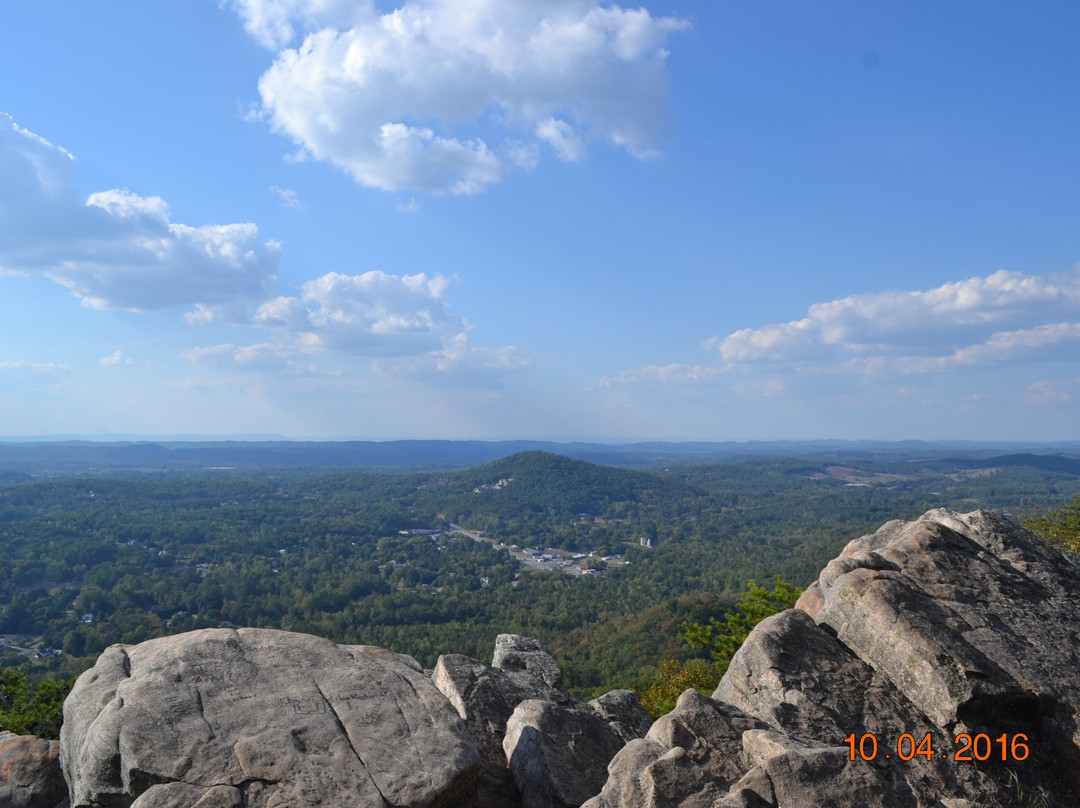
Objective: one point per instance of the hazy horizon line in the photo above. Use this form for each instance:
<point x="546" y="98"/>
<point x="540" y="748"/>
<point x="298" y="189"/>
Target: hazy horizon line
<point x="558" y="439"/>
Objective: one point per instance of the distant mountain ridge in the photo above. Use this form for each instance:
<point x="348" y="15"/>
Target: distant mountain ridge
<point x="67" y="457"/>
<point x="1056" y="462"/>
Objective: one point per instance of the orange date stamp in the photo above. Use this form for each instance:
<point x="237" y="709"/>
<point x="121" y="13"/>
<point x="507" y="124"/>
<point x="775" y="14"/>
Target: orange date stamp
<point x="970" y="748"/>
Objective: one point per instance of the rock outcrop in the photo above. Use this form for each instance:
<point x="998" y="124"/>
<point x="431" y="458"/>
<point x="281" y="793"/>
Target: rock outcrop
<point x="261" y="718"/>
<point x="558" y="756"/>
<point x="623" y="712"/>
<point x="485" y="697"/>
<point x="926" y="642"/>
<point x="30" y="773"/>
<point x="953" y="636"/>
<point x="549" y="767"/>
<point x="516" y="653"/>
<point x="708" y="753"/>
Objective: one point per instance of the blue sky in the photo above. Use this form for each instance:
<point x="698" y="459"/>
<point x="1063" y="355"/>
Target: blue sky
<point x="545" y="218"/>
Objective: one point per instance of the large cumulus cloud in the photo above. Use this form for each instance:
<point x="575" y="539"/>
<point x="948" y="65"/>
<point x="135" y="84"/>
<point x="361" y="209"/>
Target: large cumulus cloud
<point x="371" y="314"/>
<point x="447" y="95"/>
<point x="114" y="248"/>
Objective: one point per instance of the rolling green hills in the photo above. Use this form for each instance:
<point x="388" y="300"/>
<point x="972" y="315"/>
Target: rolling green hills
<point x="372" y="558"/>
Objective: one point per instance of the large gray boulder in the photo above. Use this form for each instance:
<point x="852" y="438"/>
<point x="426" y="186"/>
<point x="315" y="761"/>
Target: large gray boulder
<point x="948" y="625"/>
<point x="711" y="732"/>
<point x="30" y="773"/>
<point x="647" y="774"/>
<point x="705" y="753"/>
<point x="485" y="697"/>
<point x="558" y="755"/>
<point x="254" y="718"/>
<point x="622" y="710"/>
<point x="800" y="774"/>
<point x="516" y="653"/>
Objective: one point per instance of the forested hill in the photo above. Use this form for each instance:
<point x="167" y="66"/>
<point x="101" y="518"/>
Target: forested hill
<point x="552" y="485"/>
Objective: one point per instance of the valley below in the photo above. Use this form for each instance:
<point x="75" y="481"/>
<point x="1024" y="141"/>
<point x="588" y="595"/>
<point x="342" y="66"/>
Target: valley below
<point x="603" y="563"/>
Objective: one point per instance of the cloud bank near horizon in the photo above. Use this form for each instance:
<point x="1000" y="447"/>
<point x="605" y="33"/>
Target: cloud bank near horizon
<point x="1003" y="318"/>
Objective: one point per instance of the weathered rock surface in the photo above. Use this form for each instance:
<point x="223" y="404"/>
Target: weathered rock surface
<point x="558" y="756"/>
<point x="485" y="697"/>
<point x="516" y="653"/>
<point x="30" y="773"/>
<point x="258" y="718"/>
<point x="947" y="625"/>
<point x="647" y="774"/>
<point x="708" y="753"/>
<point x="622" y="710"/>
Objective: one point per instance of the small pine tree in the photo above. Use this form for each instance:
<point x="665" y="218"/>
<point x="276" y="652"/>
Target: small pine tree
<point x="723" y="638"/>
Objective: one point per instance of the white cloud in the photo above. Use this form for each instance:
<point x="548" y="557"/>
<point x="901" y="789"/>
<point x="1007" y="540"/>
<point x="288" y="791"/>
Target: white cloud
<point x="276" y="23"/>
<point x="126" y="205"/>
<point x="283" y="312"/>
<point x="458" y="361"/>
<point x="288" y="197"/>
<point x="1042" y="343"/>
<point x="784" y="342"/>
<point x="234" y="312"/>
<point x="32" y="367"/>
<point x="525" y="156"/>
<point x="1052" y="392"/>
<point x="116" y="359"/>
<point x="372" y="314"/>
<point x="1001" y="317"/>
<point x="407" y="100"/>
<point x="401" y="322"/>
<point x="117" y="249"/>
<point x="664" y="374"/>
<point x="264" y="357"/>
<point x="563" y="139"/>
<point x="869" y="348"/>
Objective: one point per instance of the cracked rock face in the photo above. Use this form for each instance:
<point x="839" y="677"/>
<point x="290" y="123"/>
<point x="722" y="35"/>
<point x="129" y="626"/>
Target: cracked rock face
<point x="622" y="710"/>
<point x="950" y="625"/>
<point x="516" y="653"/>
<point x="485" y="698"/>
<point x="255" y="718"/>
<point x="558" y="756"/>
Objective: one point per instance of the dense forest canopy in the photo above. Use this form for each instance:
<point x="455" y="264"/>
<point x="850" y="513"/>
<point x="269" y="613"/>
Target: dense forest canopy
<point x="603" y="564"/>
